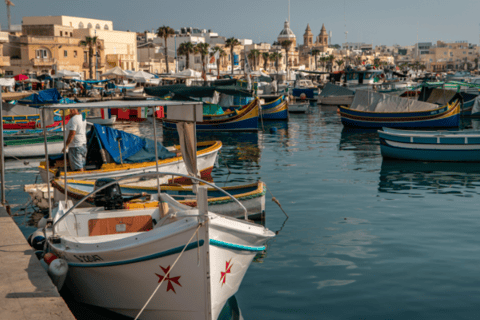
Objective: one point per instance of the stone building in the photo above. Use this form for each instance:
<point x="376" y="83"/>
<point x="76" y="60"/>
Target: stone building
<point x="321" y="44"/>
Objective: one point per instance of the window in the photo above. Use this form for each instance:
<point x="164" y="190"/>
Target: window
<point x="61" y="33"/>
<point x="444" y="53"/>
<point x="97" y="26"/>
<point x="65" y="53"/>
<point x="464" y="52"/>
<point x="74" y="53"/>
<point x="41" y="54"/>
<point x="89" y="26"/>
<point x="80" y="25"/>
<point x="9" y="73"/>
<point x="105" y="27"/>
<point x="228" y="57"/>
<point x="451" y="54"/>
<point x="85" y="57"/>
<point x="71" y="34"/>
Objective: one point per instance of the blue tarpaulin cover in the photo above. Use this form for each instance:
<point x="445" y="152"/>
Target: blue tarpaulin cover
<point x="209" y="108"/>
<point x="48" y="96"/>
<point x="134" y="148"/>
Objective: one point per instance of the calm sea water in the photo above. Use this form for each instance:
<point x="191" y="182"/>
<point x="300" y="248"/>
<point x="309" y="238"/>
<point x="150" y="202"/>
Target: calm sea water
<point x="365" y="238"/>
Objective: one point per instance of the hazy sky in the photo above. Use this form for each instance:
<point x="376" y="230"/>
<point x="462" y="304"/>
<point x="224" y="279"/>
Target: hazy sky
<point x="372" y="21"/>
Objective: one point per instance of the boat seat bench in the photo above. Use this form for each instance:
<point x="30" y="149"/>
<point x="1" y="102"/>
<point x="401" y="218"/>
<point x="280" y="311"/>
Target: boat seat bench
<point x="117" y="225"/>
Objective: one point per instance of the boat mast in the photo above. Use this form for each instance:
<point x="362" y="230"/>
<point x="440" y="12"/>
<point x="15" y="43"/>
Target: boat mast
<point x="2" y="155"/>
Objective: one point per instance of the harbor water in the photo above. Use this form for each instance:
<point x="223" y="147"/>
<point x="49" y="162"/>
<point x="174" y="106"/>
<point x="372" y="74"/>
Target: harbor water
<point x="365" y="238"/>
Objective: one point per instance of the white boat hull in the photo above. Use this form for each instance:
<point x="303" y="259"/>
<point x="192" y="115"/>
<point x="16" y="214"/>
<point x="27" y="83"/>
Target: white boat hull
<point x="336" y="100"/>
<point x="103" y="122"/>
<point x="297" y="107"/>
<point x="121" y="271"/>
<point x="33" y="150"/>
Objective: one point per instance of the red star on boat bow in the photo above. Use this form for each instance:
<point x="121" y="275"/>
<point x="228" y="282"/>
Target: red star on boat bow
<point x="169" y="280"/>
<point x="228" y="268"/>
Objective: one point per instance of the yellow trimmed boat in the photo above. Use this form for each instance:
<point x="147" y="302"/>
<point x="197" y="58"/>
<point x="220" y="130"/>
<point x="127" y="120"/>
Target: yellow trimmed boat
<point x="252" y="196"/>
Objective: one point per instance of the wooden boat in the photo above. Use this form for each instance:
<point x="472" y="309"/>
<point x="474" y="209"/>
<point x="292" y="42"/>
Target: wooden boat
<point x="298" y="107"/>
<point x="32" y="146"/>
<point x="206" y="155"/>
<point x="274" y="109"/>
<point x="457" y="146"/>
<point x="198" y="258"/>
<point x="252" y="196"/>
<point x="245" y="119"/>
<point x="376" y="110"/>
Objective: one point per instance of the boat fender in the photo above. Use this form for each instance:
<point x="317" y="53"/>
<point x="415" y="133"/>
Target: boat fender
<point x="38" y="240"/>
<point x="42" y="223"/>
<point x="273" y="130"/>
<point x="57" y="270"/>
<point x="49" y="257"/>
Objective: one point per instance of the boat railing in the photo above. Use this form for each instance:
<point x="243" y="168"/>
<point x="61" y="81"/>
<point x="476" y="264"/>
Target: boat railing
<point x="143" y="175"/>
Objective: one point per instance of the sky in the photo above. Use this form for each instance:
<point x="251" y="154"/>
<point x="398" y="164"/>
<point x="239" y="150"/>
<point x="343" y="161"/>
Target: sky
<point x="371" y="21"/>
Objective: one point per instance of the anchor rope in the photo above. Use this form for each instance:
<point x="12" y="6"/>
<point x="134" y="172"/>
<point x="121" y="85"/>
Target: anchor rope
<point x="167" y="274"/>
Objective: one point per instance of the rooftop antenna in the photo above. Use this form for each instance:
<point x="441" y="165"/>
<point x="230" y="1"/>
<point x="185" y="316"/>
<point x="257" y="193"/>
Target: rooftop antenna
<point x="288" y="11"/>
<point x="9" y="4"/>
<point x="345" y="18"/>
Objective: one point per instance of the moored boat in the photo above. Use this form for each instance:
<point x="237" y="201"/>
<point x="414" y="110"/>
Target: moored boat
<point x="252" y="196"/>
<point x="376" y="110"/>
<point x="457" y="146"/>
<point x="275" y="108"/>
<point x="104" y="160"/>
<point x="32" y="146"/>
<point x="197" y="258"/>
<point x="298" y="107"/>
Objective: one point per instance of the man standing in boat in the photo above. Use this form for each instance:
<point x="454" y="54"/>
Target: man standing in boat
<point x="76" y="140"/>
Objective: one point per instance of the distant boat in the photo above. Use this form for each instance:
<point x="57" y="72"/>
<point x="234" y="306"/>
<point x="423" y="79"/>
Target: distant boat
<point x="298" y="107"/>
<point x="457" y="146"/>
<point x="244" y="119"/>
<point x="32" y="146"/>
<point x="376" y="110"/>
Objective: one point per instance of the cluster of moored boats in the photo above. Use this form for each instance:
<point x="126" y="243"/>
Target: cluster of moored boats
<point x="143" y="216"/>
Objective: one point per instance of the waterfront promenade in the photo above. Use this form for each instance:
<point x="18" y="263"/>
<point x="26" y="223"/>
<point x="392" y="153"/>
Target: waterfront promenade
<point x="26" y="291"/>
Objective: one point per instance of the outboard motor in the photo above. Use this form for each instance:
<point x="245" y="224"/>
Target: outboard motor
<point x="111" y="197"/>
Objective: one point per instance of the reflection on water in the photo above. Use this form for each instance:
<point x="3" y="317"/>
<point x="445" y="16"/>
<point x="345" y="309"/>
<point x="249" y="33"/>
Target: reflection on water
<point x="418" y="178"/>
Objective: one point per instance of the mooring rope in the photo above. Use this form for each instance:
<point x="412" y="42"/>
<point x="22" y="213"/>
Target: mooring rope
<point x="167" y="274"/>
<point x="276" y="201"/>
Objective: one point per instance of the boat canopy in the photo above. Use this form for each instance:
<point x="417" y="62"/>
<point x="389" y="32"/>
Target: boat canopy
<point x="438" y="96"/>
<point x="134" y="149"/>
<point x="48" y="96"/>
<point x="370" y="101"/>
<point x="331" y="89"/>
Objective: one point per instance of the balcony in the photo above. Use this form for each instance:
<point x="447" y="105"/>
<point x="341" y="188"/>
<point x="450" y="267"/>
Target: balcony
<point x="45" y="62"/>
<point x="4" y="61"/>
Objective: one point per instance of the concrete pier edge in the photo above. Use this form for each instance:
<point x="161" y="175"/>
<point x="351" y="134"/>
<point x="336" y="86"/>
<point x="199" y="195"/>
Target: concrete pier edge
<point x="26" y="291"/>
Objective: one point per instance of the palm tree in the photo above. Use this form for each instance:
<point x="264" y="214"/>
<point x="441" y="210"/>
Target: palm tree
<point x="376" y="61"/>
<point x="272" y="57"/>
<point x="202" y="49"/>
<point x="286" y="45"/>
<point x="165" y="32"/>
<point x="251" y="57"/>
<point x="222" y="56"/>
<point x="91" y="43"/>
<point x="315" y="53"/>
<point x="330" y="60"/>
<point x="214" y="52"/>
<point x="339" y="63"/>
<point x="186" y="48"/>
<point x="476" y="63"/>
<point x="279" y="56"/>
<point x="256" y="54"/>
<point x="231" y="43"/>
<point x="265" y="57"/>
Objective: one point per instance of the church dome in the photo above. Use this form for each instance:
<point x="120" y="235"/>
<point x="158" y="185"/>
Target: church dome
<point x="286" y="33"/>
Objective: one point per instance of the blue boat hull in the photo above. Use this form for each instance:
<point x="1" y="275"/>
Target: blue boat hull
<point x="242" y="125"/>
<point x="275" y="110"/>
<point x="282" y="115"/>
<point x="458" y="155"/>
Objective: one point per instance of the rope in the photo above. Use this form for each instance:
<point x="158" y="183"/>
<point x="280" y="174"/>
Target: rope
<point x="276" y="201"/>
<point x="167" y="274"/>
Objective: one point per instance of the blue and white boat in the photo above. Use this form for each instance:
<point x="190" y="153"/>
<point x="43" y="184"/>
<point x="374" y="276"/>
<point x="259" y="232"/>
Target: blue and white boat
<point x="456" y="146"/>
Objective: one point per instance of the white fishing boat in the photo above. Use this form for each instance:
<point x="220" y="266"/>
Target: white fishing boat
<point x="117" y="258"/>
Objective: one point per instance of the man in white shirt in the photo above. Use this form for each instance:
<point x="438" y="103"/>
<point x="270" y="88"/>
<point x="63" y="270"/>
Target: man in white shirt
<point x="76" y="141"/>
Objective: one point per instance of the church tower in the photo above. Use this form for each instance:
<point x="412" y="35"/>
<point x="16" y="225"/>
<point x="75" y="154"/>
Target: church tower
<point x="322" y="39"/>
<point x="308" y="37"/>
<point x="287" y="34"/>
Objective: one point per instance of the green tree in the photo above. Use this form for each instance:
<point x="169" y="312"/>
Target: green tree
<point x="92" y="44"/>
<point x="214" y="52"/>
<point x="273" y="57"/>
<point x="265" y="57"/>
<point x="165" y="33"/>
<point x="330" y="60"/>
<point x="202" y="49"/>
<point x="339" y="63"/>
<point x="231" y="43"/>
<point x="186" y="49"/>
